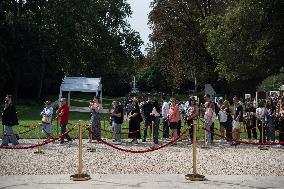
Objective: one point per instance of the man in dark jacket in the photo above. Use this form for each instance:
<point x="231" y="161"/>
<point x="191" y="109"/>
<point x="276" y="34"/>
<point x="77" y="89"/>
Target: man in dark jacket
<point x="9" y="119"/>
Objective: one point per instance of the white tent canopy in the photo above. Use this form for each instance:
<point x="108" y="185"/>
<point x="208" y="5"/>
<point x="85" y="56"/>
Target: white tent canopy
<point x="81" y="84"/>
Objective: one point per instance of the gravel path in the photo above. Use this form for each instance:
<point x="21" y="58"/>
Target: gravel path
<point x="217" y="160"/>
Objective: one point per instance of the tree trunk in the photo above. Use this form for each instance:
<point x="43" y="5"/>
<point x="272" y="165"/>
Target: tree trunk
<point x="41" y="75"/>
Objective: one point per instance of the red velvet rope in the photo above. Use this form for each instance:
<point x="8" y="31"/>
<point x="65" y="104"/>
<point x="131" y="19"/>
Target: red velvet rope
<point x="142" y="151"/>
<point x="37" y="145"/>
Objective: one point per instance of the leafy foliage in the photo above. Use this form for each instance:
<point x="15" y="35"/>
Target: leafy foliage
<point x="43" y="41"/>
<point x="246" y="42"/>
<point x="272" y="83"/>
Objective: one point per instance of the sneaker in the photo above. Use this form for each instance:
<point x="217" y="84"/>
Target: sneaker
<point x="70" y="143"/>
<point x="117" y="143"/>
<point x="144" y="140"/>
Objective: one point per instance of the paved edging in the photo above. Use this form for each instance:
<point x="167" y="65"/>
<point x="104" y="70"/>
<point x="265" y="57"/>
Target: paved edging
<point x="109" y="181"/>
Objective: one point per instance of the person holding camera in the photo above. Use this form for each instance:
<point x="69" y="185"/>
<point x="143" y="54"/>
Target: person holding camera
<point x="9" y="119"/>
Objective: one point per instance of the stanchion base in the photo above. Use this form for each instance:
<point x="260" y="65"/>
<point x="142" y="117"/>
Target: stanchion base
<point x="39" y="152"/>
<point x="195" y="177"/>
<point x="263" y="148"/>
<point x="80" y="177"/>
<point x="91" y="149"/>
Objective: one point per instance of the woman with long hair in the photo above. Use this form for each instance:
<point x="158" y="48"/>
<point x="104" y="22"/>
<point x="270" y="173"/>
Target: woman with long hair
<point x="134" y="122"/>
<point x="95" y="107"/>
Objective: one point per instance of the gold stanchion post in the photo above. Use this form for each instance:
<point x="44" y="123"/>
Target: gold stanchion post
<point x="80" y="176"/>
<point x="39" y="151"/>
<point x="194" y="176"/>
<point x="262" y="136"/>
<point x="205" y="144"/>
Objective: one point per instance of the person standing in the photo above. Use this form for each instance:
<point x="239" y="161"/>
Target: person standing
<point x="47" y="119"/>
<point x="260" y="115"/>
<point x="117" y="120"/>
<point x="174" y="117"/>
<point x="9" y="119"/>
<point x="134" y="122"/>
<point x="208" y="121"/>
<point x="63" y="114"/>
<point x="214" y="107"/>
<point x="251" y="121"/>
<point x="165" y="113"/>
<point x="223" y="120"/>
<point x="270" y="117"/>
<point x="281" y="123"/>
<point x="191" y="114"/>
<point x="145" y="112"/>
<point x="155" y="115"/>
<point x="238" y="118"/>
<point x="95" y="107"/>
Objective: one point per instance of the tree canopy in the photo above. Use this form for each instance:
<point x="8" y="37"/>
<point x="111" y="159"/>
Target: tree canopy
<point x="228" y="43"/>
<point x="44" y="40"/>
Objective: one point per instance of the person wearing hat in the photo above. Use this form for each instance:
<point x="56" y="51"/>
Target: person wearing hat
<point x="46" y="114"/>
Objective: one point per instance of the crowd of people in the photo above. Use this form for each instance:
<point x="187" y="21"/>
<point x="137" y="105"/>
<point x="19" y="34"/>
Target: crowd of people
<point x="266" y="116"/>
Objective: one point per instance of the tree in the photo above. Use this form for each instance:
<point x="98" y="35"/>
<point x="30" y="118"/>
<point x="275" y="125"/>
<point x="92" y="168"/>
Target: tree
<point x="247" y="42"/>
<point x="44" y="40"/>
<point x="178" y="46"/>
<point x="272" y="83"/>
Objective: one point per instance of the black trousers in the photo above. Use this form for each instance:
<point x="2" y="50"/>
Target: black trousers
<point x="251" y="130"/>
<point x="281" y="131"/>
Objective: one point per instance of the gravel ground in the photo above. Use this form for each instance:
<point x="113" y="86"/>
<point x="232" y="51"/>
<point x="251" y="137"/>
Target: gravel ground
<point x="217" y="160"/>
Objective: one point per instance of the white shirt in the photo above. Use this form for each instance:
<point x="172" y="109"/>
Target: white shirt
<point x="259" y="112"/>
<point x="47" y="112"/>
<point x="223" y="116"/>
<point x="165" y="109"/>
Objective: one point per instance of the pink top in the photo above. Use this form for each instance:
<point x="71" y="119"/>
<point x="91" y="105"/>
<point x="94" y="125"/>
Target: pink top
<point x="208" y="114"/>
<point x="174" y="114"/>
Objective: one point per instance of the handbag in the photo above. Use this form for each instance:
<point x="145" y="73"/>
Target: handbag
<point x="46" y="119"/>
<point x="236" y="124"/>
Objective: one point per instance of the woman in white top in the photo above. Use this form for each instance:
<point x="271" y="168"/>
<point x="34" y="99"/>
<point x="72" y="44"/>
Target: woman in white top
<point x="47" y="118"/>
<point x="208" y="121"/>
<point x="223" y="120"/>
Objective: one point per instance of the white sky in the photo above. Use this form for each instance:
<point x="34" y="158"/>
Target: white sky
<point x="139" y="19"/>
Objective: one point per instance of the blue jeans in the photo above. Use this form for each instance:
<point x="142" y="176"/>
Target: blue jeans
<point x="63" y="130"/>
<point x="9" y="136"/>
<point x="117" y="131"/>
<point x="166" y="129"/>
<point x="208" y="134"/>
<point x="270" y="134"/>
